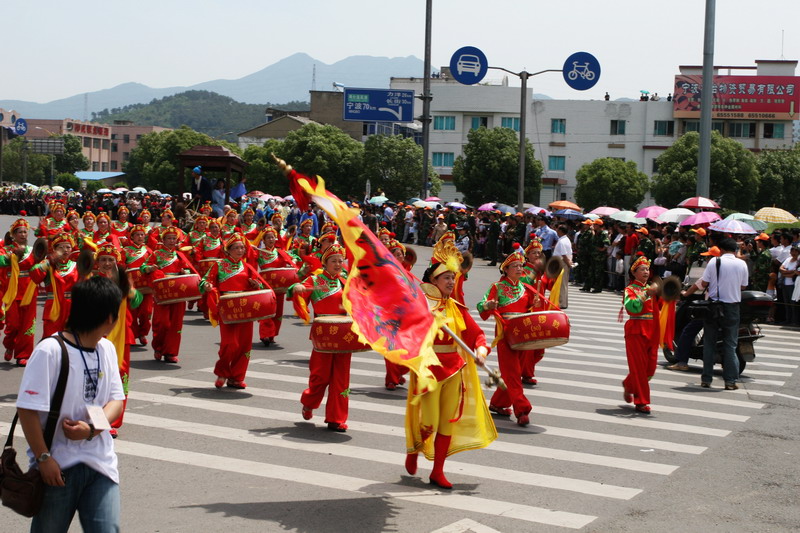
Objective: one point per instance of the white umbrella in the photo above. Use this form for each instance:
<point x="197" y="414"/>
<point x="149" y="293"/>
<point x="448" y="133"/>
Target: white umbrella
<point x="140" y="190"/>
<point x="103" y="191"/>
<point x="629" y="217"/>
<point x="675" y="215"/>
<point x="155" y="191"/>
<point x="57" y="188"/>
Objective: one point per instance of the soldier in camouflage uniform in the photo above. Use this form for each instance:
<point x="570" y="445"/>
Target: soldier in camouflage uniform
<point x="400" y="221"/>
<point x="597" y="271"/>
<point x="646" y="245"/>
<point x="697" y="247"/>
<point x="425" y="224"/>
<point x="585" y="241"/>
<point x="492" y="236"/>
<point x="762" y="264"/>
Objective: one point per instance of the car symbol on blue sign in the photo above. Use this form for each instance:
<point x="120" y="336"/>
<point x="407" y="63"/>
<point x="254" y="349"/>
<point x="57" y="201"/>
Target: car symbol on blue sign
<point x="468" y="65"/>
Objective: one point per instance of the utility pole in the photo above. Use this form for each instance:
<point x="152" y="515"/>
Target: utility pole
<point x="706" y="104"/>
<point x="426" y="100"/>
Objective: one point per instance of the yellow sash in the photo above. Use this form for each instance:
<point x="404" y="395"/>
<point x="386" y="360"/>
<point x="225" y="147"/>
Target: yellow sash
<point x="13" y="282"/>
<point x="55" y="310"/>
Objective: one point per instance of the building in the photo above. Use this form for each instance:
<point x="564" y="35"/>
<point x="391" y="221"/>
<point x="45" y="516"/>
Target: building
<point x="125" y="137"/>
<point x="757" y="110"/>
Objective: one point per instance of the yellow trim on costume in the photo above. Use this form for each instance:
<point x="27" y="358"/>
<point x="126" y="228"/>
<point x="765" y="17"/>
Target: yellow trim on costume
<point x="13" y="282"/>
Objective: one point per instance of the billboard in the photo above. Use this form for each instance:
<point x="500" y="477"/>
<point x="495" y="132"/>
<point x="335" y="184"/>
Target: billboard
<point x="740" y="97"/>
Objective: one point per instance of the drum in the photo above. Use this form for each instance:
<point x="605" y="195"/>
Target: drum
<point x="140" y="281"/>
<point x="280" y="279"/>
<point x="249" y="306"/>
<point x="174" y="289"/>
<point x="537" y="330"/>
<point x="334" y="334"/>
<point x="204" y="265"/>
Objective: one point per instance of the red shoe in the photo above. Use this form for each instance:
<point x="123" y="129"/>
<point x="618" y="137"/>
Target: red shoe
<point x="9" y="355"/>
<point x="335" y="426"/>
<point x="143" y="340"/>
<point x="502" y="411"/>
<point x="22" y="362"/>
<point x="171" y="358"/>
<point x="157" y="356"/>
<point x="627" y="396"/>
<point x="391" y="386"/>
<point x="113" y="433"/>
<point x="401" y="381"/>
<point x="238" y="385"/>
<point x="530" y="381"/>
<point x="307" y="413"/>
<point x="411" y="463"/>
<point x="643" y="408"/>
<point x="440" y="481"/>
<point x="219" y="382"/>
<point x="523" y="420"/>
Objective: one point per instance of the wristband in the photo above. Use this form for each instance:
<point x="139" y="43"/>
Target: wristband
<point x="91" y="432"/>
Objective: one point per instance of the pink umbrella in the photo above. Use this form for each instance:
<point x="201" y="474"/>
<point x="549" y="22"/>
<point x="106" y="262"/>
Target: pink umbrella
<point x="705" y="217"/>
<point x="698" y="202"/>
<point x="604" y="211"/>
<point x="652" y="211"/>
<point x="732" y="226"/>
<point x="433" y="199"/>
<point x="487" y="207"/>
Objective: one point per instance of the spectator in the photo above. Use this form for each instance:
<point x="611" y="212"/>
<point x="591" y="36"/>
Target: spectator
<point x="218" y="198"/>
<point x="788" y="272"/>
<point x="563" y="250"/>
<point x="239" y="189"/>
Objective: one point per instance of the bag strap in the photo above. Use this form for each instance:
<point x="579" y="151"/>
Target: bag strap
<point x="719" y="262"/>
<point x="55" y="404"/>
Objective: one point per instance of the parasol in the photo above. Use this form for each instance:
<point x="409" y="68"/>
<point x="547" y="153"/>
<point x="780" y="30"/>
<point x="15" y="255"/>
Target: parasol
<point x="704" y="217"/>
<point x="699" y="202"/>
<point x="604" y="211"/>
<point x="732" y="226"/>
<point x="652" y="211"/>
<point x="774" y="214"/>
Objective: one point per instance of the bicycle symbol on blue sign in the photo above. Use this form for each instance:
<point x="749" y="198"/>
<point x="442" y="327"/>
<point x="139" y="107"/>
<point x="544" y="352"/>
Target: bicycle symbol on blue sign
<point x="581" y="71"/>
<point x="20" y="126"/>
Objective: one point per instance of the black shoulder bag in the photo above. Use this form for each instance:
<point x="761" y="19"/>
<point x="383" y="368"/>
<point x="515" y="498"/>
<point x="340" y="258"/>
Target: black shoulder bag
<point x="23" y="492"/>
<point x="708" y="310"/>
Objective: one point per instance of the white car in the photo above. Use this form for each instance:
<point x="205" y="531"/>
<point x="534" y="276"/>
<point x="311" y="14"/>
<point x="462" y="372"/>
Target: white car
<point x="468" y="63"/>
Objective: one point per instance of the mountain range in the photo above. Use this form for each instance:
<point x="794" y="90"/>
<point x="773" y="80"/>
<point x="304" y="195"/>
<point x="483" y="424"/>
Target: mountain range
<point x="286" y="80"/>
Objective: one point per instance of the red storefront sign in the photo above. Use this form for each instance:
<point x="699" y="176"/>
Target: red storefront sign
<point x="740" y="97"/>
<point x="87" y="129"/>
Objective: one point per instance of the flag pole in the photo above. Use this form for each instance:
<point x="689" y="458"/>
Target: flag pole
<point x="493" y="375"/>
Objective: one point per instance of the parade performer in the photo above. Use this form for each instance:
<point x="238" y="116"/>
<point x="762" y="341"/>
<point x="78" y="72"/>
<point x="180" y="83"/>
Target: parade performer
<point x="230" y="225"/>
<point x="54" y="222"/>
<point x="304" y="237"/>
<point x="232" y="274"/>
<point x="284" y="239"/>
<point x="509" y="295"/>
<point x="88" y="226"/>
<point x="452" y="416"/>
<point x="108" y="259"/>
<point x="19" y="302"/>
<point x="206" y="251"/>
<point x="121" y="226"/>
<point x="73" y="226"/>
<point x="248" y="227"/>
<point x="641" y="334"/>
<point x="272" y="257"/>
<point x="103" y="234"/>
<point x="394" y="372"/>
<point x="534" y="275"/>
<point x="137" y="254"/>
<point x="327" y="370"/>
<point x="59" y="273"/>
<point x="199" y="230"/>
<point x="168" y="318"/>
<point x="167" y="222"/>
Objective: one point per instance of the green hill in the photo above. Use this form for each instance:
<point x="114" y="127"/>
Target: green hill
<point x="203" y="111"/>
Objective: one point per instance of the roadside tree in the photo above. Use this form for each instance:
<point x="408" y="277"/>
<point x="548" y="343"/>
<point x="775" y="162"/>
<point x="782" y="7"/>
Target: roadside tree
<point x="609" y="181"/>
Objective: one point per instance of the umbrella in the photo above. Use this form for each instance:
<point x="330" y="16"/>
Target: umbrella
<point x="140" y="190"/>
<point x="412" y="200"/>
<point x="289" y="198"/>
<point x="629" y="217"/>
<point x="536" y="210"/>
<point x="651" y="211"/>
<point x="704" y="217"/>
<point x="266" y="197"/>
<point x="422" y="204"/>
<point x="58" y="188"/>
<point x="487" y="207"/>
<point x="732" y="226"/>
<point x="456" y="205"/>
<point x="106" y="191"/>
<point x="675" y="215"/>
<point x="255" y="194"/>
<point x="604" y="211"/>
<point x="118" y="189"/>
<point x="591" y="216"/>
<point x="698" y="202"/>
<point x="155" y="191"/>
<point x="378" y="200"/>
<point x="505" y="208"/>
<point x="774" y="214"/>
<point x="433" y="199"/>
<point x="564" y="204"/>
<point x="758" y="225"/>
<point x="570" y="214"/>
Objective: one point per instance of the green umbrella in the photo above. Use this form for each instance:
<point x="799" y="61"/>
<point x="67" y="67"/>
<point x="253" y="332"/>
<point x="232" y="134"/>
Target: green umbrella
<point x="758" y="225"/>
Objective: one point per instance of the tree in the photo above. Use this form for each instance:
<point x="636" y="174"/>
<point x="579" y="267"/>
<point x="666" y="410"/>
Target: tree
<point x="734" y="176"/>
<point x="94" y="185"/>
<point x="263" y="174"/>
<point x="394" y="164"/>
<point x="780" y="179"/>
<point x="329" y="152"/>
<point x="72" y="160"/>
<point x="489" y="168"/>
<point x="609" y="181"/>
<point x="68" y="181"/>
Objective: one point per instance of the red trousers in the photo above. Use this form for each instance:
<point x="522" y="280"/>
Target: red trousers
<point x="141" y="317"/>
<point x="271" y="327"/>
<point x="529" y="360"/>
<point x="167" y="326"/>
<point x="642" y="360"/>
<point x="510" y="362"/>
<point x="234" y="350"/>
<point x="50" y="327"/>
<point x="124" y="370"/>
<point x="20" y="329"/>
<point x="331" y="371"/>
<point x="394" y="372"/>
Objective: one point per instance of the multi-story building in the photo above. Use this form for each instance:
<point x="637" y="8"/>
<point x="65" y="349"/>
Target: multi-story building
<point x="125" y="137"/>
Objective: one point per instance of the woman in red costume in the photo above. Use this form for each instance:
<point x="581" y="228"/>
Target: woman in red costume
<point x="199" y="230"/>
<point x="18" y="301"/>
<point x="103" y="233"/>
<point x="232" y="274"/>
<point x="54" y="222"/>
<point x="249" y="228"/>
<point x="509" y="295"/>
<point x="167" y="221"/>
<point x="327" y="370"/>
<point x="121" y="226"/>
<point x="168" y="318"/>
<point x="230" y="224"/>
<point x="641" y="335"/>
<point x="207" y="250"/>
<point x="88" y="225"/>
<point x="394" y="372"/>
<point x="535" y="277"/>
<point x="272" y="257"/>
<point x="59" y="273"/>
<point x="452" y="416"/>
<point x="137" y="254"/>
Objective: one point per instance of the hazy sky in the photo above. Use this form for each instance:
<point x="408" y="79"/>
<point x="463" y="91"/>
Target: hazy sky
<point x="54" y="49"/>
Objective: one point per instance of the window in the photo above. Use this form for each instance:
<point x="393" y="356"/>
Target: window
<point x="443" y="159"/>
<point x="773" y="130"/>
<point x="664" y="127"/>
<point x="95" y="166"/>
<point x="510" y="122"/>
<point x="717" y="126"/>
<point x="126" y="138"/>
<point x="618" y="158"/>
<point x="87" y="142"/>
<point x="480" y="122"/>
<point x="742" y="129"/>
<point x="139" y="136"/>
<point x="113" y="165"/>
<point x="655" y="165"/>
<point x="556" y="162"/>
<point x="105" y="144"/>
<point x="114" y="147"/>
<point x="558" y="125"/>
<point x="444" y="123"/>
<point x="691" y="125"/>
<point x="617" y="127"/>
<point x="113" y="136"/>
<point x="96" y="143"/>
<point x="104" y="167"/>
<point x="126" y="156"/>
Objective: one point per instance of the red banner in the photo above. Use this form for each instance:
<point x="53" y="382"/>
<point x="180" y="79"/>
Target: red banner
<point x="740" y="97"/>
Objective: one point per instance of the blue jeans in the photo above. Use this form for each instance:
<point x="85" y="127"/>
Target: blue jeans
<point x="685" y="342"/>
<point x="93" y="495"/>
<point x="728" y="325"/>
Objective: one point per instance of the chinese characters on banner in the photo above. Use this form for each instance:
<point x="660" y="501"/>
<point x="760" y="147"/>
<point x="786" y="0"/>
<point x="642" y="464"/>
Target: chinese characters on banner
<point x="743" y="97"/>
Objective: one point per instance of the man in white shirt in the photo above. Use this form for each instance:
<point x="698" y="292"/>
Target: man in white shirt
<point x="563" y="250"/>
<point x="726" y="288"/>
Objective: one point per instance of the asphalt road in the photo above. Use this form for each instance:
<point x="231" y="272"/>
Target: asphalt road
<point x="196" y="459"/>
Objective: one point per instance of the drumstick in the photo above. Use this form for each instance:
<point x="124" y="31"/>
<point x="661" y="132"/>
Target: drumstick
<point x="493" y="375"/>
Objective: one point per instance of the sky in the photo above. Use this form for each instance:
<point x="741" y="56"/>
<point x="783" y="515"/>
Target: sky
<point x="55" y="49"/>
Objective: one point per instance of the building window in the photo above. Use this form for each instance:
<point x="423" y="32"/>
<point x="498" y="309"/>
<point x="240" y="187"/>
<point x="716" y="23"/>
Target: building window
<point x="139" y="136"/>
<point x="113" y="136"/>
<point x="510" y="122"/>
<point x="717" y="126"/>
<point x="105" y="144"/>
<point x="480" y="122"/>
<point x="126" y="156"/>
<point x="618" y="158"/>
<point x="664" y="127"/>
<point x="444" y="123"/>
<point x="113" y="165"/>
<point x="558" y="125"/>
<point x="95" y="166"/>
<point x="443" y="159"/>
<point x="96" y="143"/>
<point x="690" y="125"/>
<point x="773" y="130"/>
<point x="617" y="127"/>
<point x="104" y="167"/>
<point x="556" y="162"/>
<point x="114" y="147"/>
<point x="87" y="142"/>
<point x="742" y="129"/>
<point x="655" y="165"/>
<point x="126" y="138"/>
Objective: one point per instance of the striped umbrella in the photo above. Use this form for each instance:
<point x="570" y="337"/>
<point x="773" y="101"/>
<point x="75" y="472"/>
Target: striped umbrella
<point x="774" y="214"/>
<point x="699" y="202"/>
<point x="732" y="226"/>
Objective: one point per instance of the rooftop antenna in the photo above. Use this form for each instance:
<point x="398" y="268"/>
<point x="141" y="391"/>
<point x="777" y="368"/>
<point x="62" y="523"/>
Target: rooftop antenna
<point x="85" y="106"/>
<point x="314" y="77"/>
<point x="782" y="35"/>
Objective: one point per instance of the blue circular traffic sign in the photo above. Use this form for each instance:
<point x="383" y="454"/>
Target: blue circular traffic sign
<point x="20" y="126"/>
<point x="581" y="71"/>
<point x="468" y="65"/>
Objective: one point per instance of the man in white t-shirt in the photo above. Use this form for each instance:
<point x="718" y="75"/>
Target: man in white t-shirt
<point x="80" y="467"/>
<point x="563" y="250"/>
<point x="726" y="288"/>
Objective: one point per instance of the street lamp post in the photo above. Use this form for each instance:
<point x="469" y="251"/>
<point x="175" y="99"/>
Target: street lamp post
<point x="52" y="156"/>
